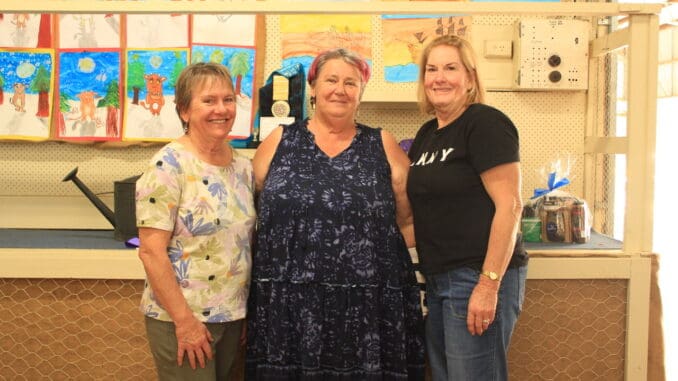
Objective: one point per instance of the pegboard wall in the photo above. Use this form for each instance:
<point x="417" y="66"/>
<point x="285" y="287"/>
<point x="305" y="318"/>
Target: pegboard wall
<point x="551" y="126"/>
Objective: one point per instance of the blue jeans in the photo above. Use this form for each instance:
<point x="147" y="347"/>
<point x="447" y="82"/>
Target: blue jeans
<point x="455" y="355"/>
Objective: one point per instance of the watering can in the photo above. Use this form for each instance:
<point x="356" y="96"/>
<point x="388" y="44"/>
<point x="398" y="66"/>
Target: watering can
<point x="123" y="218"/>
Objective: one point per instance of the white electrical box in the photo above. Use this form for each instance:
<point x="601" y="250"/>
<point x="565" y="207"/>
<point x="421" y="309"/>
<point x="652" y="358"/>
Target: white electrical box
<point x="551" y="54"/>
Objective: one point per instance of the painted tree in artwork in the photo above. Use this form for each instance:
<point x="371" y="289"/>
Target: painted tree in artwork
<point x="135" y="78"/>
<point x="64" y="107"/>
<point x="239" y="66"/>
<point x="176" y="70"/>
<point x="44" y="36"/>
<point x="197" y="56"/>
<point x="2" y="93"/>
<point x="112" y="103"/>
<point x="217" y="56"/>
<point x="40" y="85"/>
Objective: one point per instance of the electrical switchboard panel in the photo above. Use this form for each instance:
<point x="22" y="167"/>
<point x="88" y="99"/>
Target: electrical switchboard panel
<point x="551" y="54"/>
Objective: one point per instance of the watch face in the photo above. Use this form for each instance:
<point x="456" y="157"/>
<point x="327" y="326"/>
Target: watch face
<point x="491" y="274"/>
<point x="280" y="109"/>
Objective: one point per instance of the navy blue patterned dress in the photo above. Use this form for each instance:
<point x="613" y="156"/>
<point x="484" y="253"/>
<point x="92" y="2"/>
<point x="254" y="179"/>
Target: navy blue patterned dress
<point x="333" y="293"/>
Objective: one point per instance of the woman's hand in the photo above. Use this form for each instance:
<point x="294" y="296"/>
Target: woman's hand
<point x="193" y="339"/>
<point x="482" y="306"/>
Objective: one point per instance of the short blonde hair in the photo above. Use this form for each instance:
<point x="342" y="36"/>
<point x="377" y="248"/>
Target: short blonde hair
<point x="193" y="76"/>
<point x="468" y="59"/>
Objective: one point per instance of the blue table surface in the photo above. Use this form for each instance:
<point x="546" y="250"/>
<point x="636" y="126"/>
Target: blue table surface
<point x="103" y="239"/>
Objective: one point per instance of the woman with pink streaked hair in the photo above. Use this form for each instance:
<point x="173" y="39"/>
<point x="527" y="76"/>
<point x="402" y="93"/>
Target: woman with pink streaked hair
<point x="333" y="293"/>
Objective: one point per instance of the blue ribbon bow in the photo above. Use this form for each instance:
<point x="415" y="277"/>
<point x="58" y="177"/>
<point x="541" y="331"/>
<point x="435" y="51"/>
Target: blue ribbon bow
<point x="552" y="184"/>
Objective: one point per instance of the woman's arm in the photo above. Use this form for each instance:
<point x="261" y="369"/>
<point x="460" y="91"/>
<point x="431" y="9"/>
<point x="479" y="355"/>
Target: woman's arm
<point x="400" y="166"/>
<point x="263" y="156"/>
<point x="502" y="184"/>
<point x="193" y="338"/>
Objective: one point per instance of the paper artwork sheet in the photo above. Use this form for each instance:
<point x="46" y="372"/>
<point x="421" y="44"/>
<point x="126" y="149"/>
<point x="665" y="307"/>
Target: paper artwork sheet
<point x="25" y="30"/>
<point x="224" y="29"/>
<point x="89" y="31"/>
<point x="230" y="40"/>
<point x="240" y="62"/>
<point x="406" y="35"/>
<point x="149" y="94"/>
<point x="26" y="85"/>
<point x="89" y="95"/>
<point x="157" y="31"/>
<point x="304" y="36"/>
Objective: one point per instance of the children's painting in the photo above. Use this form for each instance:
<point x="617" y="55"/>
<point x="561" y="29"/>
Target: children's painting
<point x="240" y="62"/>
<point x="406" y="35"/>
<point x="224" y="29"/>
<point x="25" y="30"/>
<point x="157" y="31"/>
<point x="305" y="36"/>
<point x="26" y="84"/>
<point x="89" y="95"/>
<point x="149" y="94"/>
<point x="89" y="31"/>
<point x="230" y="40"/>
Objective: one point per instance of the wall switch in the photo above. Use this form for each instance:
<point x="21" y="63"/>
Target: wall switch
<point x="498" y="48"/>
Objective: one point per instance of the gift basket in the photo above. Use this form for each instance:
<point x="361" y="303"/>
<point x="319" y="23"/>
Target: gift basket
<point x="554" y="215"/>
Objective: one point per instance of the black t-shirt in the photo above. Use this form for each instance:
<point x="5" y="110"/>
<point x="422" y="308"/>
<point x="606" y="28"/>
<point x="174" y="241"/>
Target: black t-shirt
<point x="452" y="211"/>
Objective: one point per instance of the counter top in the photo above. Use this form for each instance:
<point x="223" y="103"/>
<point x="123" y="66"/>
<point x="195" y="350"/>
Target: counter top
<point x="103" y="239"/>
<point x="51" y="253"/>
<point x="94" y="254"/>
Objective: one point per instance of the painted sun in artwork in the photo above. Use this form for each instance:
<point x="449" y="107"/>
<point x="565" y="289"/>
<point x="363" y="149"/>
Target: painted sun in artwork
<point x="25" y="70"/>
<point x="155" y="61"/>
<point x="86" y="65"/>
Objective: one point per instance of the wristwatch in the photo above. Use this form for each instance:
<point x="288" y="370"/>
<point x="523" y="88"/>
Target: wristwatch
<point x="490" y="274"/>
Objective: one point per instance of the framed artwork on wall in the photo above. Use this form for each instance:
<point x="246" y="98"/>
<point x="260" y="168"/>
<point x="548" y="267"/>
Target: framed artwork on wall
<point x="157" y="31"/>
<point x="89" y="66"/>
<point x="304" y="36"/>
<point x="89" y="94"/>
<point x="88" y="31"/>
<point x="150" y="76"/>
<point x="406" y="35"/>
<point x="26" y="86"/>
<point x="231" y="41"/>
<point x="26" y="76"/>
<point x="25" y="30"/>
<point x="110" y="77"/>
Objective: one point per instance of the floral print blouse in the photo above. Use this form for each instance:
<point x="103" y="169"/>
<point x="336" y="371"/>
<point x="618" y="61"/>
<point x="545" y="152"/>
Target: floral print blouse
<point x="210" y="211"/>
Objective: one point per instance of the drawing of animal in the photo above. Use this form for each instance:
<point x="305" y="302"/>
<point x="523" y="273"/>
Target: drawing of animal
<point x="85" y="35"/>
<point x="154" y="97"/>
<point x="20" y="20"/>
<point x="19" y="97"/>
<point x="87" y="106"/>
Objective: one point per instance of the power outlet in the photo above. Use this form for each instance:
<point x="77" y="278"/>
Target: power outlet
<point x="551" y="54"/>
<point x="498" y="49"/>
